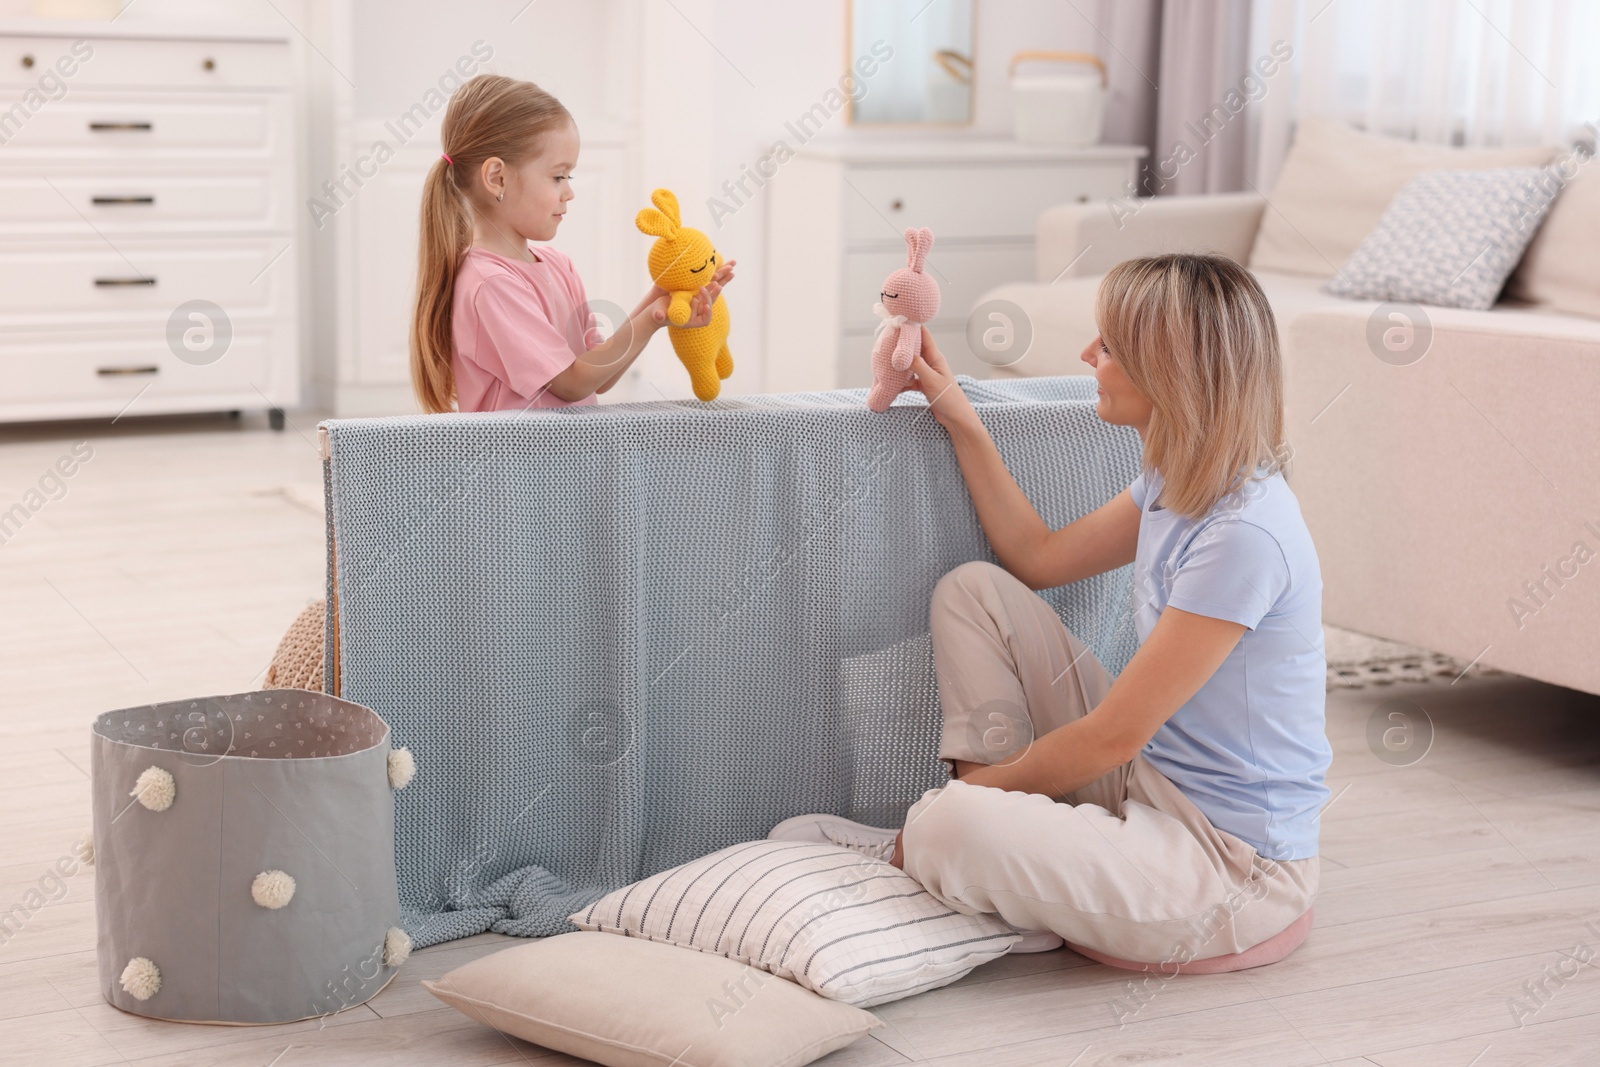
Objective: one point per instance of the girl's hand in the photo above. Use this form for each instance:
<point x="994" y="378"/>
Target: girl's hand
<point x="931" y="376"/>
<point x="699" y="305"/>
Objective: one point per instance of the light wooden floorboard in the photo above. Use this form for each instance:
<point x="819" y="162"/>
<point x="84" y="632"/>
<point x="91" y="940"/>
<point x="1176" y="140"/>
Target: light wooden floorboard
<point x="175" y="560"/>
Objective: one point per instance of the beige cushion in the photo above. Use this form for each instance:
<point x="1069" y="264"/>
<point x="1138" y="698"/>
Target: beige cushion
<point x="628" y="1002"/>
<point x="1561" y="269"/>
<point x="1336" y="182"/>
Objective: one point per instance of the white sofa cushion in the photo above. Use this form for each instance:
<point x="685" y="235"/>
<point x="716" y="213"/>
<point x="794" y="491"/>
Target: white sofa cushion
<point x="1450" y="238"/>
<point x="1561" y="270"/>
<point x="843" y="925"/>
<point x="1336" y="182"/>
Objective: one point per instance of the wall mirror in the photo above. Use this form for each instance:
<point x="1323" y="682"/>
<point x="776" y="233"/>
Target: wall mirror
<point x="928" y="75"/>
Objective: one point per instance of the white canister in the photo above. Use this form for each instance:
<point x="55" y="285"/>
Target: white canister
<point x="1063" y="108"/>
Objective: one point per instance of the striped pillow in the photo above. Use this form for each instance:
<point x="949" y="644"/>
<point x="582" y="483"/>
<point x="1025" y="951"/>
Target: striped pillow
<point x="850" y="928"/>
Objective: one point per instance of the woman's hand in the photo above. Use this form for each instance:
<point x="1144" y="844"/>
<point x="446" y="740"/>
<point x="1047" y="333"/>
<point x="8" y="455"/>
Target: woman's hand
<point x="699" y="304"/>
<point x="931" y="376"/>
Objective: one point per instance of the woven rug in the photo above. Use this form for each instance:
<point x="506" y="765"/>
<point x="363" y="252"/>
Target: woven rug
<point x="1357" y="660"/>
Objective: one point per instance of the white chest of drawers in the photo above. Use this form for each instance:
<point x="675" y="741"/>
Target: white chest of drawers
<point x="147" y="222"/>
<point x="836" y="215"/>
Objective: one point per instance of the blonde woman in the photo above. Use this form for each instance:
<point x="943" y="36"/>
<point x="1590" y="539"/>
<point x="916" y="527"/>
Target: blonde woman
<point x="1169" y="817"/>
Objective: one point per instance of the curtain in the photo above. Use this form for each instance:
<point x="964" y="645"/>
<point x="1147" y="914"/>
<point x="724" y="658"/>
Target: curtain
<point x="1470" y="72"/>
<point x="1465" y="72"/>
<point x="1128" y="41"/>
<point x="1182" y="83"/>
<point x="1462" y="72"/>
<point x="1207" y="91"/>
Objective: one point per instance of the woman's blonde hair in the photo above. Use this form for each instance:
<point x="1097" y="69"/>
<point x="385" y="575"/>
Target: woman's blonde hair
<point x="489" y="116"/>
<point x="1195" y="335"/>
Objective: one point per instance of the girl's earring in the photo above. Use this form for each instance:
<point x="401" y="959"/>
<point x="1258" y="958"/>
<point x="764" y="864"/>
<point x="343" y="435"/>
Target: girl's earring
<point x="502" y="196"/>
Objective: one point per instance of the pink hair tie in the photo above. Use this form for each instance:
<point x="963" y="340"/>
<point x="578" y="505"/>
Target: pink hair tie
<point x="447" y="159"/>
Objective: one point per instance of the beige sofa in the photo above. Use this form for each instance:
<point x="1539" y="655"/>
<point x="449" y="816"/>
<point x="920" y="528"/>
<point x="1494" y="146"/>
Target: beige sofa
<point x="1454" y="500"/>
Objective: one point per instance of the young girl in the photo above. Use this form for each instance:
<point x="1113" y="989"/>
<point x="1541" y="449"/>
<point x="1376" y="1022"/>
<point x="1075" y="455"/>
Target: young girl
<point x="1169" y="817"/>
<point x="499" y="325"/>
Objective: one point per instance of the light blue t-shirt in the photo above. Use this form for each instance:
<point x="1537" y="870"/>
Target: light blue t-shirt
<point x="1250" y="749"/>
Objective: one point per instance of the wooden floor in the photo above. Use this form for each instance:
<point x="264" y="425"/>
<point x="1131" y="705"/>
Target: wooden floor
<point x="1455" y="892"/>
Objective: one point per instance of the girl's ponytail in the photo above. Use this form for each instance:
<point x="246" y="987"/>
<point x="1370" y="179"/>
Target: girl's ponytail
<point x="490" y="116"/>
<point x="445" y="237"/>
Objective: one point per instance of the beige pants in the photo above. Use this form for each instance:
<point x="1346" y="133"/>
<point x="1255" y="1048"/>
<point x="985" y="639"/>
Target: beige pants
<point x="1126" y="865"/>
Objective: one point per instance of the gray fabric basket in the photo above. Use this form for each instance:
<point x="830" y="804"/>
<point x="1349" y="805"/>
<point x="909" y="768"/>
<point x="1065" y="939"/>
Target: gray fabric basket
<point x="276" y="780"/>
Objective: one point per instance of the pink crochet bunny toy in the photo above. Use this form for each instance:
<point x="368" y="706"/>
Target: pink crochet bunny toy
<point x="909" y="299"/>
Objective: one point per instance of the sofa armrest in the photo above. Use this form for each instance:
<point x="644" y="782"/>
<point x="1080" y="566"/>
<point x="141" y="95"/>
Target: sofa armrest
<point x="1084" y="240"/>
<point x="1444" y="495"/>
<point x="1059" y="320"/>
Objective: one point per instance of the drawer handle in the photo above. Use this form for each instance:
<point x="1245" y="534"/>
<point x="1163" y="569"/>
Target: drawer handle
<point x="122" y="200"/>
<point x="107" y="282"/>
<point x="896" y="204"/>
<point x="116" y="372"/>
<point x="102" y="127"/>
<point x="27" y="61"/>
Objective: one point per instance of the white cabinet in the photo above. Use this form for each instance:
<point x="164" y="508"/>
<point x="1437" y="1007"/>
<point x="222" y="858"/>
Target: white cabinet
<point x="147" y="222"/>
<point x="835" y="223"/>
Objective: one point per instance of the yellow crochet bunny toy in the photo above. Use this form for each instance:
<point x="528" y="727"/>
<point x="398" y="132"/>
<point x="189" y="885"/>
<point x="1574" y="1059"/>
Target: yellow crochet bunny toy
<point x="681" y="261"/>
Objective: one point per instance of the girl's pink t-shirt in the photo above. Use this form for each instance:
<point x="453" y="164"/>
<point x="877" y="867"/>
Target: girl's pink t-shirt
<point x="515" y="326"/>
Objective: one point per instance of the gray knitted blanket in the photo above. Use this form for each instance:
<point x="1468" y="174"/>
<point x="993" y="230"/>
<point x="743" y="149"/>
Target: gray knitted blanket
<point x="619" y="637"/>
